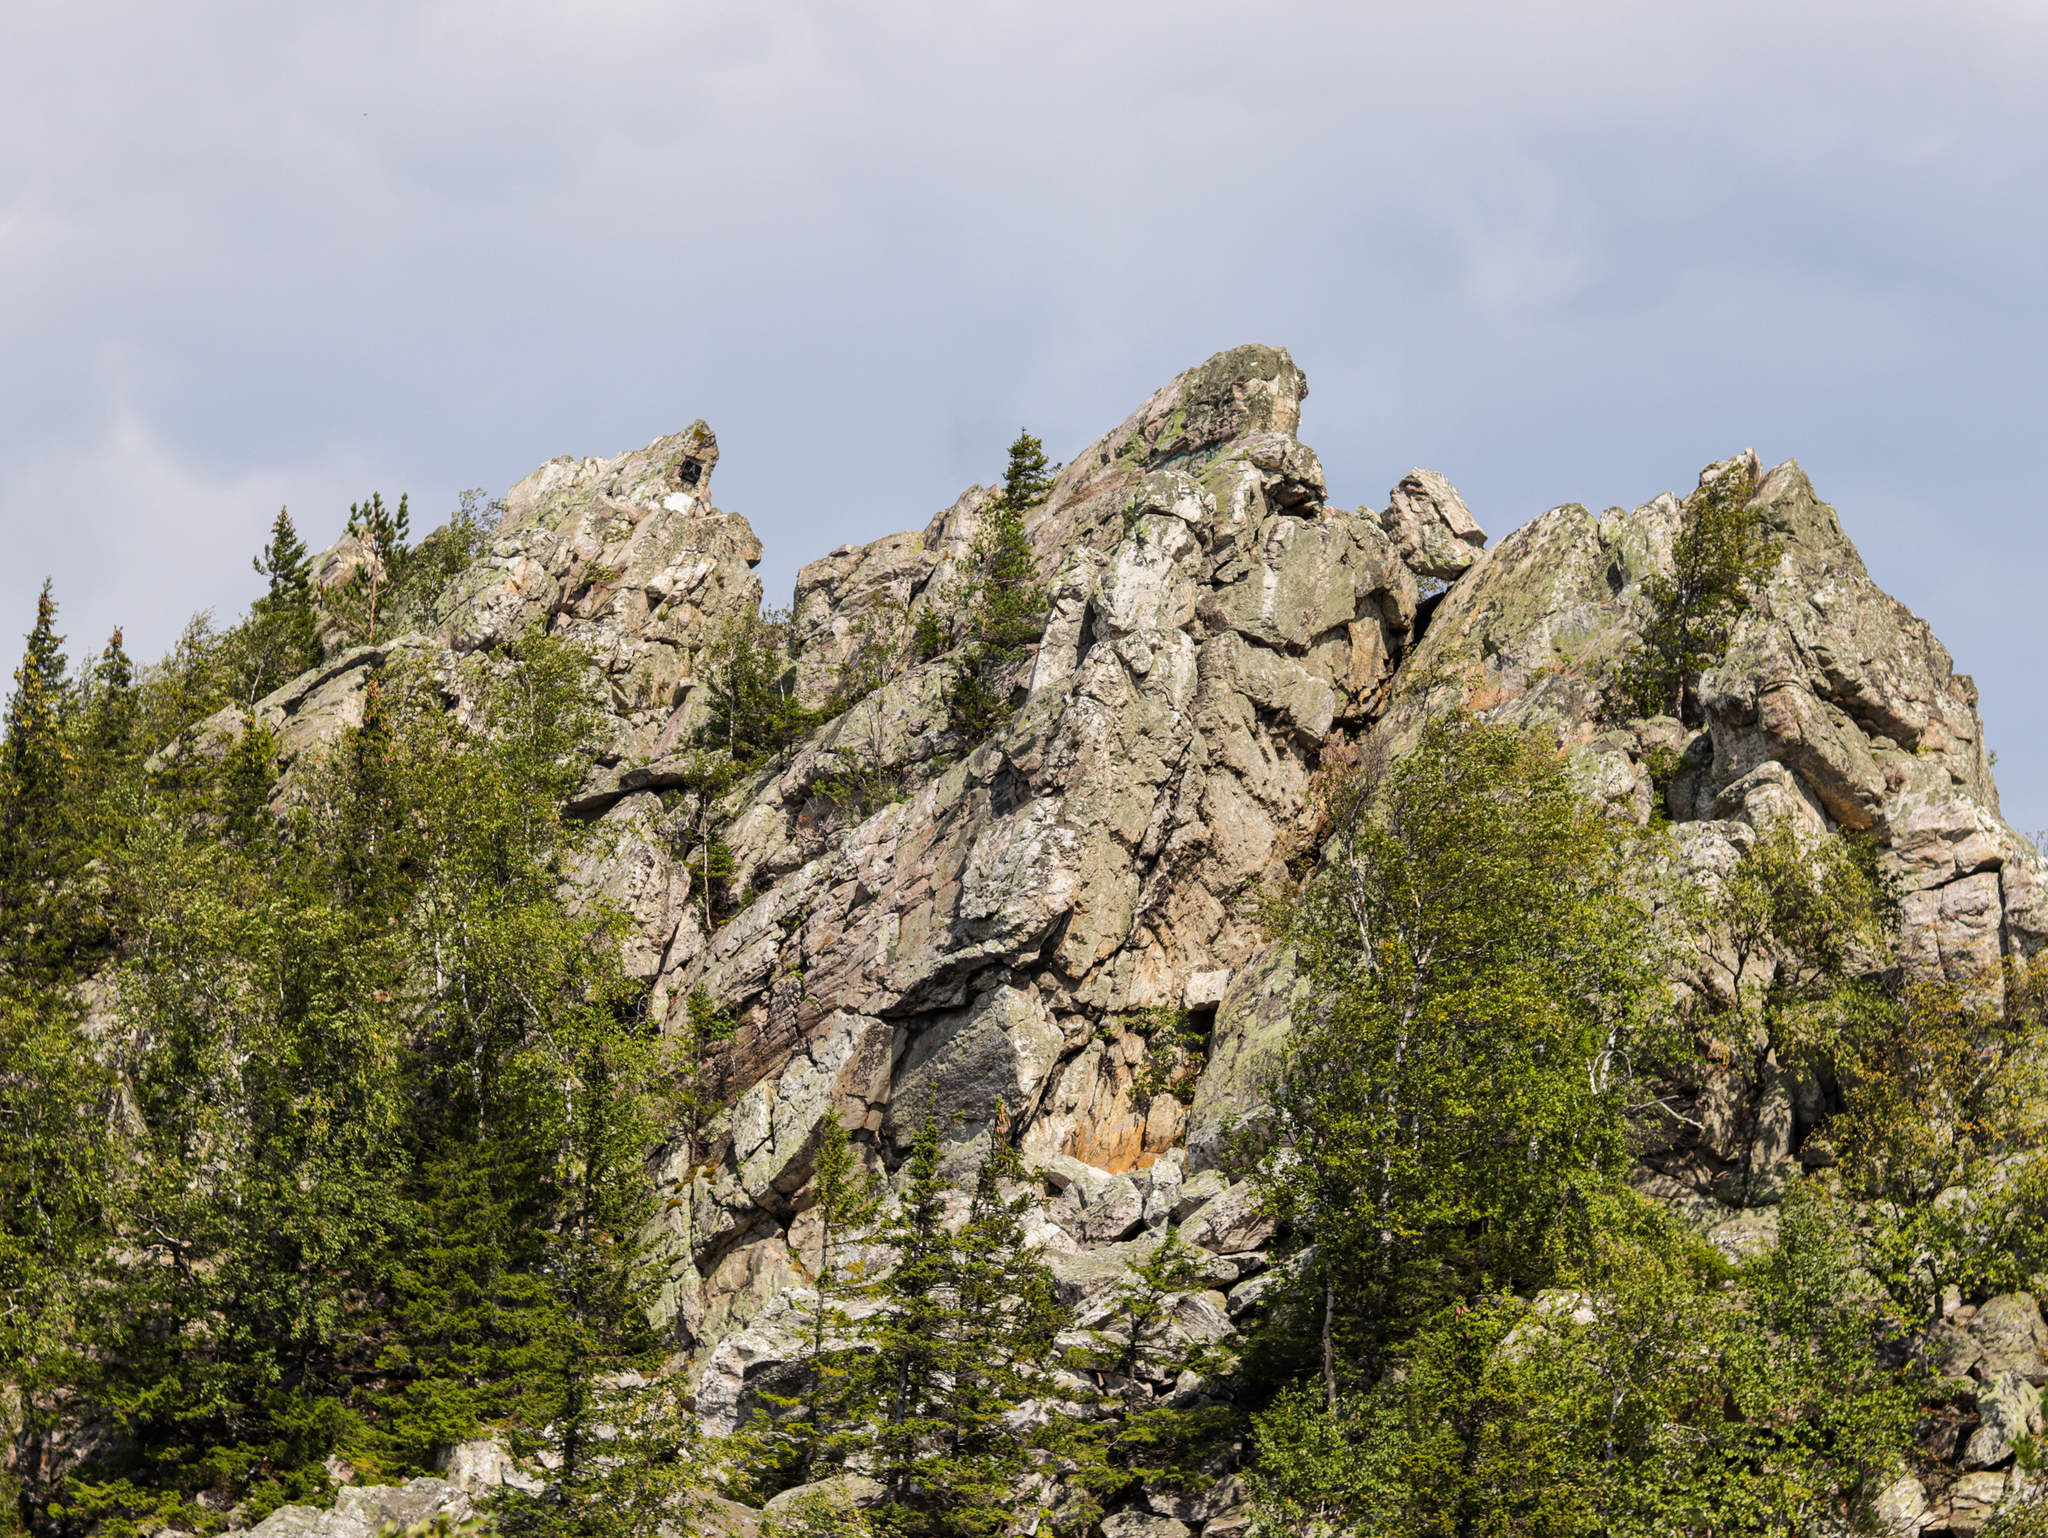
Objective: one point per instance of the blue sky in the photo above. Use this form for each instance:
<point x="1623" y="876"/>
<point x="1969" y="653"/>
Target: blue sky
<point x="260" y="254"/>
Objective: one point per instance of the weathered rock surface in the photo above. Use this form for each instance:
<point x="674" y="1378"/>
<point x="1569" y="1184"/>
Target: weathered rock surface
<point x="361" y="1511"/>
<point x="982" y="942"/>
<point x="1835" y="706"/>
<point x="1431" y="527"/>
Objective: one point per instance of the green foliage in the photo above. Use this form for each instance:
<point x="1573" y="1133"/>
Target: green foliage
<point x="959" y="1335"/>
<point x="751" y="690"/>
<point x="1174" y="1439"/>
<point x="442" y="556"/>
<point x="1647" y="1394"/>
<point x="42" y="853"/>
<point x="1511" y="1340"/>
<point x="710" y="1021"/>
<point x="711" y="869"/>
<point x="386" y="1103"/>
<point x="243" y="785"/>
<point x="965" y="1336"/>
<point x="281" y="637"/>
<point x="1791" y="941"/>
<point x="1457" y="1085"/>
<point x="440" y="1525"/>
<point x="929" y="638"/>
<point x="825" y="1424"/>
<point x="1796" y="930"/>
<point x="1942" y="1141"/>
<point x="360" y="605"/>
<point x="646" y="1480"/>
<point x="1718" y="557"/>
<point x="874" y="657"/>
<point x="856" y="788"/>
<point x="1176" y="1050"/>
<point x="58" y="1174"/>
<point x="997" y="602"/>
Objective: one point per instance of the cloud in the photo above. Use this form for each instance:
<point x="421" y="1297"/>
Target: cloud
<point x="135" y="535"/>
<point x="1564" y="252"/>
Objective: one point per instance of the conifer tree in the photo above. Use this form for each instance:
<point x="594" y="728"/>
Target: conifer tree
<point x="1719" y="556"/>
<point x="965" y="1335"/>
<point x="361" y="603"/>
<point x="820" y="1428"/>
<point x="1151" y="1438"/>
<point x="285" y="562"/>
<point x="751" y="689"/>
<point x="36" y="753"/>
<point x="281" y="637"/>
<point x="111" y="708"/>
<point x="41" y="844"/>
<point x="998" y="602"/>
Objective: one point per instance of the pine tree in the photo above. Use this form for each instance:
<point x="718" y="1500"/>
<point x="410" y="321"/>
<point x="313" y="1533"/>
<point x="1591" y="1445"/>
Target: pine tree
<point x="908" y="1336"/>
<point x="416" y="1093"/>
<point x="1719" y="556"/>
<point x="361" y="603"/>
<point x="41" y="837"/>
<point x="998" y="602"/>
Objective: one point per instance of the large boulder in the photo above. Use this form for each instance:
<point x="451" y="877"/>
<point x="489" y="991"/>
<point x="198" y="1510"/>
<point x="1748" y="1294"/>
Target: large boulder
<point x="969" y="1066"/>
<point x="364" y="1511"/>
<point x="1431" y="527"/>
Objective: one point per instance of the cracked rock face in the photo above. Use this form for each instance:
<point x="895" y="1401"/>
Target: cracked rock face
<point x="1431" y="526"/>
<point x="986" y="940"/>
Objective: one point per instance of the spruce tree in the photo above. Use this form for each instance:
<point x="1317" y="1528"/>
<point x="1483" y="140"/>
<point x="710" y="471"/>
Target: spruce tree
<point x="36" y="755"/>
<point x="998" y="602"/>
<point x="965" y="1335"/>
<point x="802" y="1435"/>
<point x="42" y="849"/>
<point x="1157" y="1436"/>
<point x="281" y="637"/>
<point x="285" y="562"/>
<point x="111" y="707"/>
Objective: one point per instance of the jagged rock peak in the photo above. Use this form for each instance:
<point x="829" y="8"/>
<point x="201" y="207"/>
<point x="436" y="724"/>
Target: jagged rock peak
<point x="1431" y="526"/>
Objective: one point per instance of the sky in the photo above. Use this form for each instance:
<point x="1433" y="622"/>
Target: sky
<point x="254" y="255"/>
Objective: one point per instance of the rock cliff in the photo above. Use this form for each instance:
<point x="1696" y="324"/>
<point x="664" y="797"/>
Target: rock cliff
<point x="991" y="934"/>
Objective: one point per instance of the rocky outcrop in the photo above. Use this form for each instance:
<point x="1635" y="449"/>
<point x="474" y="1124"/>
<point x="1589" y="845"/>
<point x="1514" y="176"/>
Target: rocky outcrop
<point x="1431" y="527"/>
<point x="364" y="1511"/>
<point x="629" y="556"/>
<point x="997" y="933"/>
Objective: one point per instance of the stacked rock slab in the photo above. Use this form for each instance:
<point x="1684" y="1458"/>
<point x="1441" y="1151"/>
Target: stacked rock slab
<point x="1835" y="707"/>
<point x="1212" y="621"/>
<point x="989" y="940"/>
